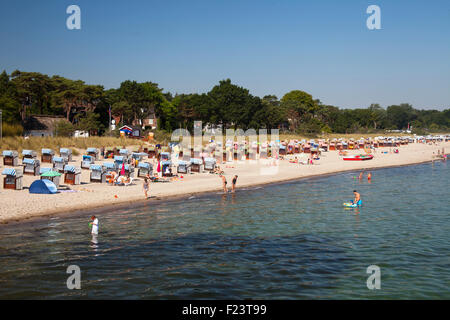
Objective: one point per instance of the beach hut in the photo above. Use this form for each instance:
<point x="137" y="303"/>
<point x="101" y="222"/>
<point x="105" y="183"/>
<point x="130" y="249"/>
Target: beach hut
<point x="351" y="145"/>
<point x="49" y="174"/>
<point x="94" y="153"/>
<point x="184" y="167"/>
<point x="297" y="147"/>
<point x="47" y="155"/>
<point x="151" y="151"/>
<point x="165" y="156"/>
<point x="344" y="145"/>
<point x="87" y="161"/>
<point x="253" y="151"/>
<point x="72" y="175"/>
<point x="197" y="165"/>
<point x="66" y="154"/>
<point x="290" y="148"/>
<point x="332" y="146"/>
<point x="29" y="154"/>
<point x="125" y="154"/>
<point x="31" y="166"/>
<point x="166" y="168"/>
<point x="13" y="178"/>
<point x="307" y="148"/>
<point x="282" y="149"/>
<point x="138" y="156"/>
<point x="59" y="163"/>
<point x="109" y="166"/>
<point x="43" y="186"/>
<point x="129" y="170"/>
<point x="263" y="154"/>
<point x="144" y="169"/>
<point x="98" y="173"/>
<point x="10" y="158"/>
<point x="210" y="164"/>
<point x="118" y="161"/>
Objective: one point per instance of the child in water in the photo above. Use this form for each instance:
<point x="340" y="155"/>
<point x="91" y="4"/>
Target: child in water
<point x="146" y="186"/>
<point x="94" y="225"/>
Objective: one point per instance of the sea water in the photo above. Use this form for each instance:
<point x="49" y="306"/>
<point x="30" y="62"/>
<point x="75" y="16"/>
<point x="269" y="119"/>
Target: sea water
<point x="285" y="241"/>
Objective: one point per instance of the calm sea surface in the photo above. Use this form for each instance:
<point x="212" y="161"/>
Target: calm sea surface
<point x="287" y="241"/>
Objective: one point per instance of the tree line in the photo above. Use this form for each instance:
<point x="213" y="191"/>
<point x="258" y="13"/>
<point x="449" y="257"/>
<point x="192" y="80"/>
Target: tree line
<point x="86" y="107"/>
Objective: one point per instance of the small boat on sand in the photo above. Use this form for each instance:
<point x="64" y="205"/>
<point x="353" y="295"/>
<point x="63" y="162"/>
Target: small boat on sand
<point x="358" y="157"/>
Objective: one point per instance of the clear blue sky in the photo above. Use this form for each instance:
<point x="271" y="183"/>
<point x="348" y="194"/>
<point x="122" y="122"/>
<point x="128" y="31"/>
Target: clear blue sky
<point x="269" y="47"/>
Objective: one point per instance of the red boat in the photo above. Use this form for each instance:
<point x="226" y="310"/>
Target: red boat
<point x="359" y="157"/>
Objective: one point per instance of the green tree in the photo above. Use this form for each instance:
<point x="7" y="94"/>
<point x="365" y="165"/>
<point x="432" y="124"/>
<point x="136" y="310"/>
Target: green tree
<point x="400" y="115"/>
<point x="232" y="105"/>
<point x="64" y="128"/>
<point x="32" y="91"/>
<point x="90" y="123"/>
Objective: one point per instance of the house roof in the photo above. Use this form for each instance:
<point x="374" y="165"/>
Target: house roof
<point x="42" y="122"/>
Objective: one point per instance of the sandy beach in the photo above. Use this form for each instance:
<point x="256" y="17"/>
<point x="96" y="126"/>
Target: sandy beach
<point x="20" y="205"/>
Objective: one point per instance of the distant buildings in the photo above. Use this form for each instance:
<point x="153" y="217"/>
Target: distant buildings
<point x="41" y="125"/>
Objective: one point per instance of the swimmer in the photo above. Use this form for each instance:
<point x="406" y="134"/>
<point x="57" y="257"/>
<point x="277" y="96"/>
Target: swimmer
<point x="361" y="175"/>
<point x="357" y="200"/>
<point x="369" y="176"/>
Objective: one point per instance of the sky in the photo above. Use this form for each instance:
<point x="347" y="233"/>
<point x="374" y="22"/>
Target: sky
<point x="269" y="47"/>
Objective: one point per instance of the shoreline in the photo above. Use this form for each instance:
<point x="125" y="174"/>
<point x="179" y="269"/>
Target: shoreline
<point x="158" y="200"/>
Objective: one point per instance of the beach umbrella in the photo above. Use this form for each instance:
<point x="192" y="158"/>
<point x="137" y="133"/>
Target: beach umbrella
<point x="51" y="174"/>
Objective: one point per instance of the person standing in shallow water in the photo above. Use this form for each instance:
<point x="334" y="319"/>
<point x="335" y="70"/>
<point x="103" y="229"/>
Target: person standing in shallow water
<point x="146" y="187"/>
<point x="94" y="225"/>
<point x="224" y="183"/>
<point x="233" y="183"/>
